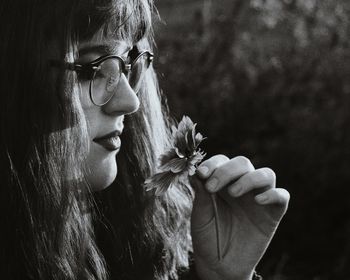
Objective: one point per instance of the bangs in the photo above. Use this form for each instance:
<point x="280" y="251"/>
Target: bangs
<point x="128" y="20"/>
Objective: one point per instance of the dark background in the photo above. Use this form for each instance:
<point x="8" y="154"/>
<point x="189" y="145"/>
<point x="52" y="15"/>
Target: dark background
<point x="269" y="79"/>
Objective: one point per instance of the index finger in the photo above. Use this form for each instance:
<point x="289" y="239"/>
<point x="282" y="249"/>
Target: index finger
<point x="207" y="167"/>
<point x="227" y="172"/>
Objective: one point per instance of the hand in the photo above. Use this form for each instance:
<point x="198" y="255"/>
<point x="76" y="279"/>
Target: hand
<point x="250" y="208"/>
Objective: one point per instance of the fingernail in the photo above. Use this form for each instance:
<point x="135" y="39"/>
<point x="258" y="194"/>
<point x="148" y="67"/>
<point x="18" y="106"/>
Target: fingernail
<point x="261" y="198"/>
<point x="211" y="184"/>
<point x="236" y="190"/>
<point x="203" y="170"/>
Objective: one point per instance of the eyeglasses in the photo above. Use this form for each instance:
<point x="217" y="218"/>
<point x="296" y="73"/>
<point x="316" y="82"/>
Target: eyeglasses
<point x="105" y="72"/>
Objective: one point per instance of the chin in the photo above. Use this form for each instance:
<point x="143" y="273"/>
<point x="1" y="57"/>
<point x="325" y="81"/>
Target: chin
<point x="102" y="175"/>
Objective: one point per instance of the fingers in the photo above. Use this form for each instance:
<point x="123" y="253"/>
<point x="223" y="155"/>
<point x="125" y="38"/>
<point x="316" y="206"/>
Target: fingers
<point x="222" y="171"/>
<point x="263" y="178"/>
<point x="274" y="196"/>
<point x="208" y="166"/>
<point x="239" y="176"/>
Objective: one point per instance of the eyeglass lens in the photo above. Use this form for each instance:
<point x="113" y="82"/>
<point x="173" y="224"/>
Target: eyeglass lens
<point x="106" y="78"/>
<point x="138" y="71"/>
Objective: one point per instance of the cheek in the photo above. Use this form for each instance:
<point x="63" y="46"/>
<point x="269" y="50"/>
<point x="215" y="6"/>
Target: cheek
<point x="84" y="95"/>
<point x="101" y="167"/>
<point x="100" y="164"/>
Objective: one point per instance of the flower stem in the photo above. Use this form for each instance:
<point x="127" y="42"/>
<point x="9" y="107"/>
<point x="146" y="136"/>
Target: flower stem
<point x="217" y="225"/>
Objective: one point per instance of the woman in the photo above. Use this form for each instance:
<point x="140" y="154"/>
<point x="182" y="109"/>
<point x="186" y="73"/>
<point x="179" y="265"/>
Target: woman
<point x="67" y="98"/>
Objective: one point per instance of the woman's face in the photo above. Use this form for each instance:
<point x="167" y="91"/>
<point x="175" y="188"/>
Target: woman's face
<point x="105" y="123"/>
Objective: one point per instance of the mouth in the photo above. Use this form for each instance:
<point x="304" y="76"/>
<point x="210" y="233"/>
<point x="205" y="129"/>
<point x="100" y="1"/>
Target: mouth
<point x="110" y="141"/>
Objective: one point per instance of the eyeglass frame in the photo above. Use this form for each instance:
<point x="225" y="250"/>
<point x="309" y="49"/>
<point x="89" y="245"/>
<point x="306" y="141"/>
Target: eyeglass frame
<point x="93" y="66"/>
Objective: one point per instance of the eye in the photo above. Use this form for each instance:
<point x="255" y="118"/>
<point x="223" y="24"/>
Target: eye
<point x="99" y="74"/>
<point x="86" y="73"/>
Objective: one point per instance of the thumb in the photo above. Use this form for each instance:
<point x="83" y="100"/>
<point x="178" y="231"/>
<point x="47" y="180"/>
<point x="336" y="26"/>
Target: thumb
<point x="203" y="211"/>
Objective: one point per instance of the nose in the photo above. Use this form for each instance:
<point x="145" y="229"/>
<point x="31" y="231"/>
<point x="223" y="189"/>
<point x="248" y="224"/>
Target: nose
<point x="124" y="101"/>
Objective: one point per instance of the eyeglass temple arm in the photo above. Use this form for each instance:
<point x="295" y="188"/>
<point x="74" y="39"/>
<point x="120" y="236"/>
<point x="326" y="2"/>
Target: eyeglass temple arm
<point x="66" y="65"/>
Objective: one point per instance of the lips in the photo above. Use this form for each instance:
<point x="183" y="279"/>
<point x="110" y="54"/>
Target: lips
<point x="110" y="141"/>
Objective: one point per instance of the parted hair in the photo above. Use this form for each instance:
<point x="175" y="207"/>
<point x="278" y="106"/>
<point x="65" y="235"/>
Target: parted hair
<point x="53" y="226"/>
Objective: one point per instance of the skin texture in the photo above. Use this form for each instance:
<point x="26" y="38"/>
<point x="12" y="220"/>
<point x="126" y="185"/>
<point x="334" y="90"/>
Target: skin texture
<point x="247" y="219"/>
<point x="250" y="208"/>
<point x="101" y="163"/>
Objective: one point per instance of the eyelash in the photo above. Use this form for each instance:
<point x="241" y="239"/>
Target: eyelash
<point x="84" y="75"/>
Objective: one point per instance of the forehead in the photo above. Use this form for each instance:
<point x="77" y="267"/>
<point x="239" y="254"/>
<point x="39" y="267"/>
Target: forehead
<point x="100" y="43"/>
<point x="103" y="47"/>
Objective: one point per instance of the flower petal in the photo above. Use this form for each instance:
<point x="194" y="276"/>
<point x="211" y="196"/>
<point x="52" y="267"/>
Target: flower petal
<point x="186" y="124"/>
<point x="196" y="158"/>
<point x="180" y="161"/>
<point x="181" y="136"/>
<point x="198" y="139"/>
<point x="180" y="142"/>
<point x="192" y="140"/>
<point x="167" y="156"/>
<point x="189" y="143"/>
<point x="175" y="165"/>
<point x="160" y="181"/>
<point x="179" y="153"/>
<point x="191" y="170"/>
<point x="183" y="177"/>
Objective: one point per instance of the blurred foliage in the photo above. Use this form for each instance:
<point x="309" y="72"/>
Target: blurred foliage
<point x="269" y="79"/>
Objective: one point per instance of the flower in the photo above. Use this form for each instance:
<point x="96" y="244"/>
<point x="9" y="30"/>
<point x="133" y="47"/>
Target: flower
<point x="180" y="161"/>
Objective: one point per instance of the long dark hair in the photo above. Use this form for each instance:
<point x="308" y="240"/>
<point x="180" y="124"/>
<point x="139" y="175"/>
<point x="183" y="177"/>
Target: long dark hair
<point x="47" y="211"/>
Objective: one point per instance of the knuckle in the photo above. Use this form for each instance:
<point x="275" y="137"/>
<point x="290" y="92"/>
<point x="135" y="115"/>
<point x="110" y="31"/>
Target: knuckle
<point x="253" y="180"/>
<point x="282" y="197"/>
<point x="220" y="158"/>
<point x="215" y="161"/>
<point x="257" y="178"/>
<point x="268" y="174"/>
<point x="243" y="161"/>
<point x="285" y="194"/>
<point x="223" y="157"/>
